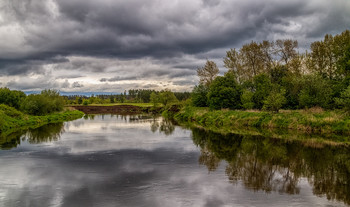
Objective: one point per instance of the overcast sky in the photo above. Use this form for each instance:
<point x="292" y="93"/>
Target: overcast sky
<point x="116" y="45"/>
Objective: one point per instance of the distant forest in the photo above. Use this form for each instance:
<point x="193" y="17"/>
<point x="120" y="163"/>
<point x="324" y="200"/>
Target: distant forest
<point x="130" y="96"/>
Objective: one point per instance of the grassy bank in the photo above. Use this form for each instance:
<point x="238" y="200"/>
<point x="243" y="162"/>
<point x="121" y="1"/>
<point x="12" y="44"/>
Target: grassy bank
<point x="12" y="120"/>
<point x="298" y="124"/>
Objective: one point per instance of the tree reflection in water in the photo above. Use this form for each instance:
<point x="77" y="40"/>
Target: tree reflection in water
<point x="165" y="126"/>
<point x="277" y="165"/>
<point x="46" y="133"/>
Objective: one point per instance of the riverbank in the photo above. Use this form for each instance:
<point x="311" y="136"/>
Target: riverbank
<point x="313" y="124"/>
<point x="12" y="120"/>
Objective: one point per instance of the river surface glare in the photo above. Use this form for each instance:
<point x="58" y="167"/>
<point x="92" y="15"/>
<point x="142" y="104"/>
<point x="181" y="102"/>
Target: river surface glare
<point x="138" y="160"/>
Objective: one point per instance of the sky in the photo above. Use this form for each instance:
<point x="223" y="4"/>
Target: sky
<point x="117" y="45"/>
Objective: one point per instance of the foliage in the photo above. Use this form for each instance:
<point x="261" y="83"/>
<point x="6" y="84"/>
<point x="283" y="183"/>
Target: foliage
<point x="48" y="101"/>
<point x="154" y="98"/>
<point x="247" y="99"/>
<point x="199" y="95"/>
<point x="305" y="121"/>
<point x="208" y="73"/>
<point x="12" y="120"/>
<point x="11" y="98"/>
<point x="262" y="87"/>
<point x="275" y="100"/>
<point x="316" y="91"/>
<point x="344" y="99"/>
<point x="224" y="92"/>
<point x="166" y="97"/>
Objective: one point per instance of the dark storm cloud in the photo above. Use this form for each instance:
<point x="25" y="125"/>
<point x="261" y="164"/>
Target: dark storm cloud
<point x="41" y="32"/>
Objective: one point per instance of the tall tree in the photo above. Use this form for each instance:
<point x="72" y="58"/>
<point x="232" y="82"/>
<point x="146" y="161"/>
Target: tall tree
<point x="286" y="50"/>
<point x="208" y="73"/>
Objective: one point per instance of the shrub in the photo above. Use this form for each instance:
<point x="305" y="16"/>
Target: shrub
<point x="275" y="100"/>
<point x="224" y="92"/>
<point x="316" y="91"/>
<point x="344" y="100"/>
<point x="46" y="102"/>
<point x="199" y="95"/>
<point x="262" y="86"/>
<point x="247" y="99"/>
<point x="11" y="98"/>
<point x="166" y="97"/>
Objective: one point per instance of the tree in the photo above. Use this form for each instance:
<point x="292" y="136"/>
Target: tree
<point x="286" y="50"/>
<point x="208" y="73"/>
<point x="234" y="63"/>
<point x="262" y="87"/>
<point x="344" y="99"/>
<point x="199" y="95"/>
<point x="11" y="97"/>
<point x="154" y="98"/>
<point x="251" y="60"/>
<point x="166" y="97"/>
<point x="275" y="100"/>
<point x="111" y="99"/>
<point x="316" y="91"/>
<point x="224" y="92"/>
<point x="48" y="101"/>
<point x="247" y="99"/>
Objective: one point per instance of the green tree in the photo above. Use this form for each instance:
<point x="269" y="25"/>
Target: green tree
<point x="207" y="73"/>
<point x="11" y="97"/>
<point x="224" y="92"/>
<point x="275" y="100"/>
<point x="316" y="91"/>
<point x="344" y="99"/>
<point x="247" y="99"/>
<point x="48" y="101"/>
<point x="199" y="95"/>
<point x="154" y="98"/>
<point x="262" y="87"/>
<point x="166" y="97"/>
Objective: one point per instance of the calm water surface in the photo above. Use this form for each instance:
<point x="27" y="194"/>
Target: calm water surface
<point x="114" y="160"/>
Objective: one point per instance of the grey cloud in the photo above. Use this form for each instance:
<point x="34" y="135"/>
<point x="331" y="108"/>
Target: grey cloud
<point x="66" y="84"/>
<point x="118" y="78"/>
<point x="52" y="32"/>
<point x="77" y="85"/>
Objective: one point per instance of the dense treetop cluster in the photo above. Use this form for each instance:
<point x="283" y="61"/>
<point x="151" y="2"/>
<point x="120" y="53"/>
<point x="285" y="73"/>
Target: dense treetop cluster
<point x="274" y="75"/>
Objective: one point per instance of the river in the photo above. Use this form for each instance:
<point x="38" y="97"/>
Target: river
<point x="140" y="160"/>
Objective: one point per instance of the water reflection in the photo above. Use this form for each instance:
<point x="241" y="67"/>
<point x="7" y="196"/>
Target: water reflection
<point x="276" y="165"/>
<point x="46" y="133"/>
<point x="141" y="160"/>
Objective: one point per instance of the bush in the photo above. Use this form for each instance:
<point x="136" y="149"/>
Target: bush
<point x="224" y="92"/>
<point x="247" y="99"/>
<point x="262" y="86"/>
<point x="48" y="101"/>
<point x="316" y="91"/>
<point x="11" y="98"/>
<point x="344" y="100"/>
<point x="199" y="96"/>
<point x="166" y="97"/>
<point x="275" y="100"/>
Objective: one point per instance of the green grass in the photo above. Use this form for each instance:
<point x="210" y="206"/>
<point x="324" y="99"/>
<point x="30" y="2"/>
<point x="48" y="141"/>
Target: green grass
<point x="12" y="120"/>
<point x="333" y="125"/>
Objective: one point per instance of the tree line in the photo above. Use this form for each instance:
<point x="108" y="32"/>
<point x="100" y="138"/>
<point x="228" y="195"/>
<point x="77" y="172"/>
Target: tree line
<point x="274" y="75"/>
<point x="130" y="96"/>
